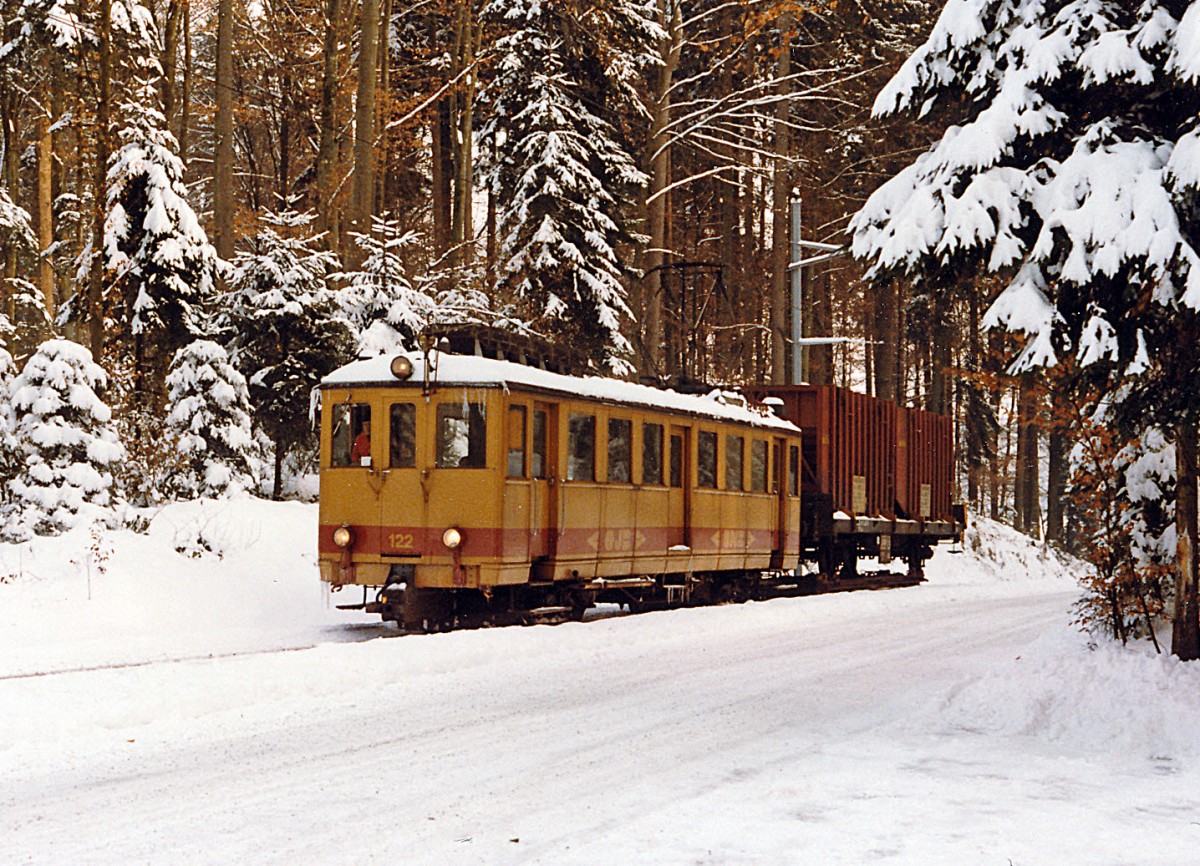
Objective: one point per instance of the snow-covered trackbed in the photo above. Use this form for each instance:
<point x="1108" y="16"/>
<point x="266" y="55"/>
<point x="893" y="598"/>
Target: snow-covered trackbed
<point x="802" y="730"/>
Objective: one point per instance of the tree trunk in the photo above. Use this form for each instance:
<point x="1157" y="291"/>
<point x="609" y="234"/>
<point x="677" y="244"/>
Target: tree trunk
<point x="364" y="127"/>
<point x="45" y="211"/>
<point x="170" y="59"/>
<point x="327" y="142"/>
<point x="781" y="191"/>
<point x="12" y="166"/>
<point x="441" y="180"/>
<point x="939" y="354"/>
<point x="285" y="138"/>
<point x="277" y="484"/>
<point x="96" y="275"/>
<point x="660" y="176"/>
<point x="463" y="118"/>
<point x="223" y="128"/>
<point x="382" y="108"/>
<point x="185" y="108"/>
<point x="1028" y="505"/>
<point x="1185" y="632"/>
<point x="994" y="437"/>
<point x="1056" y="484"/>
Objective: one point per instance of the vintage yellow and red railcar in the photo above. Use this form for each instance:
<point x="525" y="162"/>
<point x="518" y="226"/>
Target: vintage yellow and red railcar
<point x="471" y="490"/>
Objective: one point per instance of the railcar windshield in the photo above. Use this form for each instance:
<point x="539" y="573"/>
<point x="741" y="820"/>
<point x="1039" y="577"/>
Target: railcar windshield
<point x="462" y="435"/>
<point x="351" y="434"/>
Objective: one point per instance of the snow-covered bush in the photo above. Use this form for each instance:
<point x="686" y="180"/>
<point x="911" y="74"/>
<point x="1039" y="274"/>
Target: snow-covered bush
<point x="1123" y="490"/>
<point x="66" y="440"/>
<point x="208" y="416"/>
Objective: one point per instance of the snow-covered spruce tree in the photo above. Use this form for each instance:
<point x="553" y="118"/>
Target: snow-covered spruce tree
<point x="557" y="168"/>
<point x="208" y="417"/>
<point x="382" y="303"/>
<point x="66" y="441"/>
<point x="157" y="258"/>
<point x="1072" y="167"/>
<point x="288" y="326"/>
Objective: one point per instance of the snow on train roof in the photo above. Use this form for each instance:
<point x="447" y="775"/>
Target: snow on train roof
<point x="471" y="370"/>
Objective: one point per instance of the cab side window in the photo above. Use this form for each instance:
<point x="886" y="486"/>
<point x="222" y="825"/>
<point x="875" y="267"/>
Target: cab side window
<point x="652" y="454"/>
<point x="461" y="436"/>
<point x="402" y="444"/>
<point x="620" y="450"/>
<point x="516" y="441"/>
<point x="581" y="448"/>
<point x="706" y="459"/>
<point x="758" y="465"/>
<point x="538" y="457"/>
<point x="734" y="447"/>
<point x="351" y="434"/>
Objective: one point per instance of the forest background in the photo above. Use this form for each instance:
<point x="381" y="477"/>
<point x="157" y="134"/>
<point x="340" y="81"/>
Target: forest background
<point x="282" y="185"/>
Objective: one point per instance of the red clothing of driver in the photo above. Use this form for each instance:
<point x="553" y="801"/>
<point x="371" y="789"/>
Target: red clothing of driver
<point x="362" y="444"/>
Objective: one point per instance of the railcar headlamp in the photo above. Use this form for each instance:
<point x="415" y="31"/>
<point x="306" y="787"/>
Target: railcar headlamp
<point x="402" y="367"/>
<point x="342" y="536"/>
<point x="452" y="538"/>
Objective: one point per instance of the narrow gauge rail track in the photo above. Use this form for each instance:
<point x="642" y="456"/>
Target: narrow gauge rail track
<point x="765" y="590"/>
<point x="806" y="586"/>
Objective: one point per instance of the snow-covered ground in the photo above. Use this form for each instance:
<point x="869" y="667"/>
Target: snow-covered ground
<point x="963" y="721"/>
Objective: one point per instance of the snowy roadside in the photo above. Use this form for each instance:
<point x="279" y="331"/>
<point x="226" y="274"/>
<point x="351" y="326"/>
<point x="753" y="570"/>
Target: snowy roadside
<point x="245" y="585"/>
<point x="960" y="721"/>
<point x="235" y="576"/>
<point x="246" y="580"/>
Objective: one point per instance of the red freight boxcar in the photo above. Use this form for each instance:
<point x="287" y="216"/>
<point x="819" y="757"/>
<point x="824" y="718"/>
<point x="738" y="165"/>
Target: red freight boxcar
<point x="878" y="477"/>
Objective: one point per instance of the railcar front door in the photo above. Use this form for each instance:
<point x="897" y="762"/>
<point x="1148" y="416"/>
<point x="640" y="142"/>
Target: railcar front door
<point x="779" y="485"/>
<point x="397" y="483"/>
<point x="544" y="474"/>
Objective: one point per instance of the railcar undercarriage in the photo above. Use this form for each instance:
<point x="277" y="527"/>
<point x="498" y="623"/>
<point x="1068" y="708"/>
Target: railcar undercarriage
<point x="420" y="610"/>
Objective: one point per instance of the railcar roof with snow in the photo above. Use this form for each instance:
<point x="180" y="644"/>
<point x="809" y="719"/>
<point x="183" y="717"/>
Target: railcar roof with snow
<point x="472" y="371"/>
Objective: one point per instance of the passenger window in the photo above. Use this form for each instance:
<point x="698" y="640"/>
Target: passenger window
<point x="539" y="444"/>
<point x="758" y="465"/>
<point x="706" y="459"/>
<point x="402" y="447"/>
<point x="734" y="447"/>
<point x="581" y="445"/>
<point x="794" y="471"/>
<point x="620" y="450"/>
<point x="462" y="435"/>
<point x="652" y="441"/>
<point x="676" y="461"/>
<point x="516" y="441"/>
<point x="351" y="434"/>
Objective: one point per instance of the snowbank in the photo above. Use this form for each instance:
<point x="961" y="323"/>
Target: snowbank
<point x="1081" y="697"/>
